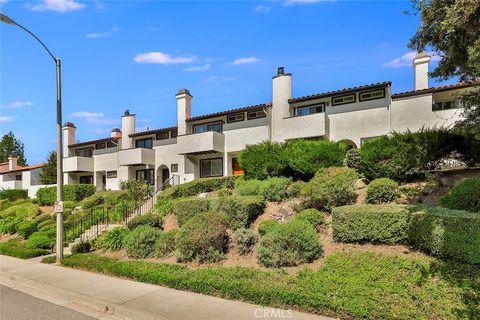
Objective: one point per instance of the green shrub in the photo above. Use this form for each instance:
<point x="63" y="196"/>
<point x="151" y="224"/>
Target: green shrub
<point x="382" y="190"/>
<point x="11" y="226"/>
<point x="387" y="223"/>
<point x="224" y="192"/>
<point x="17" y="249"/>
<point x="465" y="195"/>
<point x="198" y="186"/>
<point x="43" y="217"/>
<point x="164" y="206"/>
<point x="46" y="196"/>
<point x="40" y="240"/>
<point x="203" y="238"/>
<point x="140" y="243"/>
<point x="245" y="240"/>
<point x="241" y="211"/>
<point x="81" y="247"/>
<point x="187" y="208"/>
<point x="112" y="240"/>
<point x="353" y="160"/>
<point x="21" y="210"/>
<point x="47" y="224"/>
<point x="289" y="244"/>
<point x="266" y="226"/>
<point x="276" y="189"/>
<point x="295" y="188"/>
<point x="446" y="233"/>
<point x="252" y="187"/>
<point x="306" y="157"/>
<point x="26" y="228"/>
<point x="312" y="216"/>
<point x="165" y="244"/>
<point x="107" y="198"/>
<point x="330" y="187"/>
<point x="149" y="219"/>
<point x="13" y="194"/>
<point x="263" y="160"/>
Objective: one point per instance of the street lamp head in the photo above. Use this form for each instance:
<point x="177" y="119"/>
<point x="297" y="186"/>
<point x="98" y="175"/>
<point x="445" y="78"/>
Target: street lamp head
<point x="5" y="18"/>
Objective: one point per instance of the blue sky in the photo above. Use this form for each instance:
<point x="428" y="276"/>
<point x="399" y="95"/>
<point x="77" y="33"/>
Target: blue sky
<point x="135" y="55"/>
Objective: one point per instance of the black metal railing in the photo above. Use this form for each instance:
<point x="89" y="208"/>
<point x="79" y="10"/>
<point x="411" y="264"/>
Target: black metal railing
<point x="89" y="226"/>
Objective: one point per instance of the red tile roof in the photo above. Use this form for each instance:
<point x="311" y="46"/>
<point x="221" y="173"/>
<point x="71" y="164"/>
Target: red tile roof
<point x="231" y="111"/>
<point x="28" y="168"/>
<point x="341" y="91"/>
<point x="93" y="141"/>
<point x="457" y="85"/>
<point x="142" y="133"/>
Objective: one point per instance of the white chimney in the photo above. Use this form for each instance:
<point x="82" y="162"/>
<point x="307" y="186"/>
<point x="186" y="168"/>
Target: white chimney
<point x="184" y="110"/>
<point x="68" y="137"/>
<point x="128" y="128"/>
<point x="116" y="133"/>
<point x="12" y="163"/>
<point x="420" y="67"/>
<point x="281" y="93"/>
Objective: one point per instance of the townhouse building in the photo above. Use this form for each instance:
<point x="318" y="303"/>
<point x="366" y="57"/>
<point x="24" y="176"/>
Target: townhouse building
<point x="208" y="145"/>
<point x="16" y="176"/>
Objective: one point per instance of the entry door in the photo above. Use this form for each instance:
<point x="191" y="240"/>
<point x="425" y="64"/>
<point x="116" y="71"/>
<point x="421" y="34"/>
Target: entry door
<point x="165" y="175"/>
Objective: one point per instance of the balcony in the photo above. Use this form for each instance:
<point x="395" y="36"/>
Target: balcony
<point x="78" y="164"/>
<point x="201" y="143"/>
<point x="136" y="156"/>
<point x="308" y="126"/>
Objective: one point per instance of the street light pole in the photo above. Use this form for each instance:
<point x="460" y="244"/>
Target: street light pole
<point x="59" y="208"/>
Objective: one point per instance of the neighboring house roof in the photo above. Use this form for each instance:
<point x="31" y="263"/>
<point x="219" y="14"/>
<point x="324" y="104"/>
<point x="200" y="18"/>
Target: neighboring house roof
<point x="28" y="168"/>
<point x="341" y="91"/>
<point x="231" y="111"/>
<point x="142" y="133"/>
<point x="3" y="167"/>
<point x="93" y="141"/>
<point x="458" y="85"/>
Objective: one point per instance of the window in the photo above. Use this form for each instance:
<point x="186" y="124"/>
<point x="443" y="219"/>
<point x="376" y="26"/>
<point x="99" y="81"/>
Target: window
<point x="236" y="117"/>
<point x="256" y="115"/>
<point x="111" y="144"/>
<point x="306" y="110"/>
<point x="162" y="135"/>
<point x="343" y="99"/>
<point x="204" y="127"/>
<point x="86" y="180"/>
<point x="146" y="176"/>
<point x="88" y="152"/>
<point x="144" y="143"/>
<point x="443" y="105"/>
<point x="236" y="169"/>
<point x="211" y="168"/>
<point x="111" y="174"/>
<point x="174" y="133"/>
<point x="174" y="167"/>
<point x="372" y="95"/>
<point x="100" y="145"/>
<point x="18" y="177"/>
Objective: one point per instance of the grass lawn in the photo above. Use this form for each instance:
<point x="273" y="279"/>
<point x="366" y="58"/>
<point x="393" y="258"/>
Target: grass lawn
<point x="349" y="285"/>
<point x="17" y="249"/>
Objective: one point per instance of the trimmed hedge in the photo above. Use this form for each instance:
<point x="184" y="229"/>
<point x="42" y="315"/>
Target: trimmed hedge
<point x="245" y="240"/>
<point x="165" y="244"/>
<point x="387" y="223"/>
<point x="40" y="240"/>
<point x="465" y="195"/>
<point x="273" y="189"/>
<point x="81" y="247"/>
<point x="312" y="216"/>
<point x="140" y="243"/>
<point x="198" y="186"/>
<point x="187" y="208"/>
<point x="15" y="248"/>
<point x="13" y="194"/>
<point x="26" y="228"/>
<point x="289" y="244"/>
<point x="263" y="160"/>
<point x="147" y="219"/>
<point x="241" y="211"/>
<point x="72" y="192"/>
<point x="382" y="190"/>
<point x="446" y="233"/>
<point x="330" y="187"/>
<point x="203" y="238"/>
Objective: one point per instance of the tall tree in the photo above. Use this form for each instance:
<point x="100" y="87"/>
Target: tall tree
<point x="49" y="172"/>
<point x="9" y="145"/>
<point x="452" y="29"/>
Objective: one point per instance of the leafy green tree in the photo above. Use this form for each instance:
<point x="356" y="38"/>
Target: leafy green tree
<point x="49" y="172"/>
<point x="9" y="145"/>
<point x="452" y="29"/>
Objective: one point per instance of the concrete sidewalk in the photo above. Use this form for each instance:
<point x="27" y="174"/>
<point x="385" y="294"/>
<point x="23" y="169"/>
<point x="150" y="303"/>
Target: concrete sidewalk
<point x="105" y="297"/>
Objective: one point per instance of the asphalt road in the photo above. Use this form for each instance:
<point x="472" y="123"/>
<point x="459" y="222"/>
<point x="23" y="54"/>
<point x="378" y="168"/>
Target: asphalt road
<point x="16" y="305"/>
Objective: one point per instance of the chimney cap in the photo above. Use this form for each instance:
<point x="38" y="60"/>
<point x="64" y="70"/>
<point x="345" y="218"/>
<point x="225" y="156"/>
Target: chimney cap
<point x="421" y="57"/>
<point x="69" y="124"/>
<point x="183" y="91"/>
<point x="12" y="156"/>
<point x="280" y="71"/>
<point x="116" y="130"/>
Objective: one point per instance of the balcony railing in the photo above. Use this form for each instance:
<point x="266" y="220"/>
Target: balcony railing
<point x="199" y="143"/>
<point x="136" y="156"/>
<point x="78" y="164"/>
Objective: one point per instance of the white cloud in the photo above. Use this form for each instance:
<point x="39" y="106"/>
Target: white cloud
<point x="17" y="105"/>
<point x="86" y="114"/>
<point x="406" y="60"/>
<point x="293" y="2"/>
<point x="98" y="131"/>
<point x="57" y="5"/>
<point x="197" y="68"/>
<point x="94" y="118"/>
<point x="217" y="78"/>
<point x="161" y="58"/>
<point x="5" y="119"/>
<point x="247" y="60"/>
<point x="262" y="9"/>
<point x="106" y="34"/>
